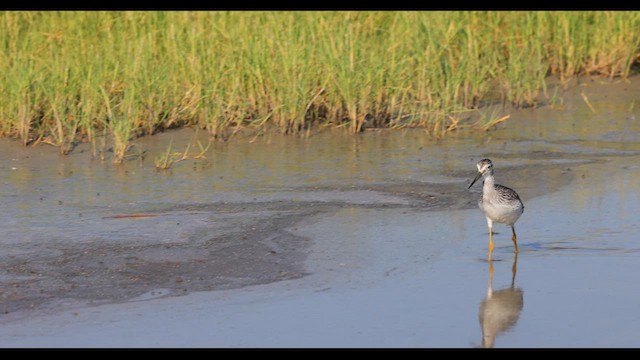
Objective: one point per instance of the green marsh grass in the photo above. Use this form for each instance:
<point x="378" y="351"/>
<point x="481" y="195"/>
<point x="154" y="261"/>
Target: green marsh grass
<point x="96" y="76"/>
<point x="166" y="160"/>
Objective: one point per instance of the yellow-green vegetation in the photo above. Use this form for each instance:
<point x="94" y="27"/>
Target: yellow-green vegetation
<point x="73" y="76"/>
<point x="169" y="157"/>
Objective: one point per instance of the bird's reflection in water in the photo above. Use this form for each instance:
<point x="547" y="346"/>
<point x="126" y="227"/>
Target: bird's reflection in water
<point x="500" y="309"/>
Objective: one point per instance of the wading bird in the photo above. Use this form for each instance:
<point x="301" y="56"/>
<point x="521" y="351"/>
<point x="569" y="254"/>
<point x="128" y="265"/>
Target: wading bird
<point x="499" y="203"/>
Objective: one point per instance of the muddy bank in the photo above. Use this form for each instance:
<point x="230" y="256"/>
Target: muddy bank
<point x="183" y="248"/>
<point x="248" y="248"/>
<point x="405" y="276"/>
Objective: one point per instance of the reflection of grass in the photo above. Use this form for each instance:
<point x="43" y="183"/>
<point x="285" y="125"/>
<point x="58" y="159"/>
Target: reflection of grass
<point x="487" y="122"/>
<point x="169" y="157"/>
<point x="166" y="160"/>
<point x="67" y="76"/>
<point x="586" y="100"/>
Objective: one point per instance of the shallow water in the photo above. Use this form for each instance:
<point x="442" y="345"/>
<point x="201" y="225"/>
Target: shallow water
<point x="333" y="241"/>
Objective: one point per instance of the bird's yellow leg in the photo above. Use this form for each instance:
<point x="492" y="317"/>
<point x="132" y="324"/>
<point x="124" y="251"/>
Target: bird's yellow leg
<point x="515" y="239"/>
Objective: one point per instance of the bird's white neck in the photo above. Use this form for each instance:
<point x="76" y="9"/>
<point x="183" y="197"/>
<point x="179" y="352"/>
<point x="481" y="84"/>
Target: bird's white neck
<point x="488" y="184"/>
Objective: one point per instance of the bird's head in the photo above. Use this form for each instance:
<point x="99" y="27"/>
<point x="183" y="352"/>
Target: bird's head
<point x="485" y="166"/>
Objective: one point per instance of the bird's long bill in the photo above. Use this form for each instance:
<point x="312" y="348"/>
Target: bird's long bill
<point x="474" y="180"/>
